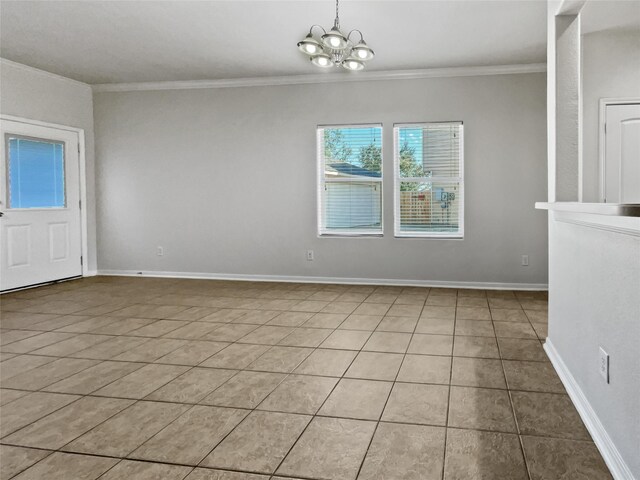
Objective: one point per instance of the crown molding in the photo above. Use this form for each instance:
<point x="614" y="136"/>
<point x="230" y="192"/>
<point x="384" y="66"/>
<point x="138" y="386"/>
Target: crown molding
<point x="324" y="78"/>
<point x="44" y="73"/>
<point x="317" y="78"/>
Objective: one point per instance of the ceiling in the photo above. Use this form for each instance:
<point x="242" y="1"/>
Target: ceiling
<point x="144" y="41"/>
<point x="597" y="16"/>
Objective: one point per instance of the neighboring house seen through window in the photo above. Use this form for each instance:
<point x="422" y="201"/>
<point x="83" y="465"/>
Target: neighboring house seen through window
<point x="429" y="180"/>
<point x="350" y="180"/>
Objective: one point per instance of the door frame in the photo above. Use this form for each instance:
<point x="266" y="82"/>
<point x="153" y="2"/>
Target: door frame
<point x="602" y="135"/>
<point x="82" y="175"/>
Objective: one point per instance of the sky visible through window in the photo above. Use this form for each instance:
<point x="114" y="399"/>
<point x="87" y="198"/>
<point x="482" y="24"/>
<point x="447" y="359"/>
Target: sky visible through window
<point x="358" y="138"/>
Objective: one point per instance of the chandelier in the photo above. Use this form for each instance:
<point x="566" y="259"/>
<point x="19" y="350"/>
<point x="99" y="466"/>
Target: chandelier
<point x="333" y="49"/>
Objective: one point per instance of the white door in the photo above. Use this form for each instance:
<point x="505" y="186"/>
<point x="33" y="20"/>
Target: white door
<point x="40" y="238"/>
<point x="622" y="154"/>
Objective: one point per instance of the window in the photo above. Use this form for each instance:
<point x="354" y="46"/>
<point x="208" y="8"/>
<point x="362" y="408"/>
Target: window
<point x="35" y="173"/>
<point x="429" y="180"/>
<point x="350" y="180"/>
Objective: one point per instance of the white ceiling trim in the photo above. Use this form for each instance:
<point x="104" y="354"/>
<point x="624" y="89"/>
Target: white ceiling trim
<point x="44" y="73"/>
<point x="326" y="78"/>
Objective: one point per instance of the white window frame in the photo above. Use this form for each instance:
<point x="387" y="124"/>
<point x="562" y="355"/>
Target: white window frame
<point x="321" y="181"/>
<point x="397" y="179"/>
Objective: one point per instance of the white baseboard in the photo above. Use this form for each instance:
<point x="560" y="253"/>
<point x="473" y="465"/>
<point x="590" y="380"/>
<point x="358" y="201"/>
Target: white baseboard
<point x="608" y="450"/>
<point x="338" y="280"/>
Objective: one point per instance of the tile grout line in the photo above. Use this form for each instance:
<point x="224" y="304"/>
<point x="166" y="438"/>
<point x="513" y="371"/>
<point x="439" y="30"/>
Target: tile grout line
<point x="485" y="430"/>
<point x="513" y="410"/>
<point x="102" y="475"/>
<point x="446" y="428"/>
<point x="393" y="384"/>
<point x="291" y="372"/>
<point x="135" y="402"/>
<point x="256" y="406"/>
<point x="59" y="449"/>
<point x="33" y="464"/>
<point x="116" y="413"/>
<point x="325" y="399"/>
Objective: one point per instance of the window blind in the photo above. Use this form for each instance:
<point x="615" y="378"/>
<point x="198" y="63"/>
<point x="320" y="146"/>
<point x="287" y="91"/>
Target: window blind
<point x="35" y="173"/>
<point x="349" y="180"/>
<point x="429" y="183"/>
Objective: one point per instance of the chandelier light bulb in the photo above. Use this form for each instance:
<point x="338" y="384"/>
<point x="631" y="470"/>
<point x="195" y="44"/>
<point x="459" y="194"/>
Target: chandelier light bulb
<point x="335" y="49"/>
<point x="310" y="45"/>
<point x="334" y="39"/>
<point x="353" y="64"/>
<point x="311" y="49"/>
<point x="322" y="60"/>
<point x="362" y="51"/>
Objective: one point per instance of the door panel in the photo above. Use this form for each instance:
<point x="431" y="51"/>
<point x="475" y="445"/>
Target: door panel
<point x="40" y="237"/>
<point x="59" y="242"/>
<point x="19" y="245"/>
<point x="622" y="154"/>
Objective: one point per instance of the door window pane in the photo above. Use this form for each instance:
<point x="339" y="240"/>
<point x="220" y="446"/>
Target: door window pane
<point x="35" y="173"/>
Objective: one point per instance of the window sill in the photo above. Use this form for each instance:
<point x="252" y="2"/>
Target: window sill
<point x="350" y="235"/>
<point x="430" y="236"/>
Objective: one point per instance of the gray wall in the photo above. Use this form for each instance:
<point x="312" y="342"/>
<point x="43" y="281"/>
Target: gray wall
<point x="610" y="69"/>
<point x="36" y="95"/>
<point x="225" y="179"/>
<point x="594" y="302"/>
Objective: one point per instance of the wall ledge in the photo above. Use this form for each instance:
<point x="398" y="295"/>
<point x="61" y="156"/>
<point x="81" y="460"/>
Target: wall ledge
<point x="609" y="209"/>
<point x="619" y="225"/>
<point x="601" y="438"/>
<point x="336" y="280"/>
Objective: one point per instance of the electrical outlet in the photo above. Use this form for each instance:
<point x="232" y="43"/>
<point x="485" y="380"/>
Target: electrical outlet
<point x="160" y="251"/>
<point x="604" y="365"/>
<point x="525" y="260"/>
<point x="310" y="255"/>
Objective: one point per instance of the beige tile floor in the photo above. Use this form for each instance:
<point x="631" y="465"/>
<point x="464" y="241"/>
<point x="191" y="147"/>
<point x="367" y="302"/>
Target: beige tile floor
<point x="120" y="378"/>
